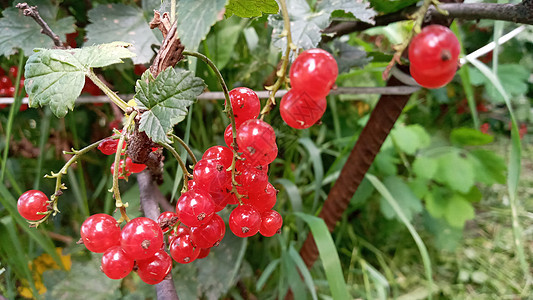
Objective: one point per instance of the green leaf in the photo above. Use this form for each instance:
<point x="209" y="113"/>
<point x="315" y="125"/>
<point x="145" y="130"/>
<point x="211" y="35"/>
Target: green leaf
<point x="328" y="256"/>
<point x="55" y="77"/>
<point x="465" y="136"/>
<point x="436" y="201"/>
<point x="221" y="44"/>
<point x="458" y="211"/>
<point x="123" y="22"/>
<point x="389" y="6"/>
<point x="474" y="195"/>
<point x="513" y="77"/>
<point x="166" y="99"/>
<point x="409" y="203"/>
<point x="195" y="18"/>
<point x="410" y="138"/>
<point x="489" y="167"/>
<point x="425" y="167"/>
<point x="456" y="171"/>
<point x="360" y="9"/>
<point x="446" y="237"/>
<point x="251" y="8"/>
<point x="348" y="56"/>
<point x="20" y="32"/>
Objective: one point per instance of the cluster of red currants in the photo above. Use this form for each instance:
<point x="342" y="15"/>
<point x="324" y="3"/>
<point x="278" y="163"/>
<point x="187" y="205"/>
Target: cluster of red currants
<point x="126" y="166"/>
<point x="433" y="56"/>
<point x="312" y="76"/>
<point x="7" y="88"/>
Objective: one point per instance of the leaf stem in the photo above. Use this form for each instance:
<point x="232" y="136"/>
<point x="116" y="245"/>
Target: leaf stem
<point x="116" y="192"/>
<point x="112" y="95"/>
<point x="186" y="174"/>
<point x="186" y="147"/>
<point x="285" y="62"/>
<point x="172" y="11"/>
<point x="229" y="112"/>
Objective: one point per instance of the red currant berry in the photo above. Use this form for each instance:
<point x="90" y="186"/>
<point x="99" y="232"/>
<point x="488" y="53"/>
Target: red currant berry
<point x="139" y="69"/>
<point x="244" y="221"/>
<point x="210" y="234"/>
<point x="271" y="222"/>
<point x="195" y="208"/>
<point x="13" y="71"/>
<point x="179" y="231"/>
<point x="257" y="142"/>
<point x="5" y="82"/>
<point x="109" y="146"/>
<point x="141" y="238"/>
<point x="314" y="71"/>
<point x="31" y="203"/>
<point x="116" y="264"/>
<point x="434" y="52"/>
<point x="154" y="269"/>
<point x="204" y="252"/>
<point x="133" y="167"/>
<point x="228" y="136"/>
<point x="245" y="104"/>
<point x="182" y="249"/>
<point x="121" y="173"/>
<point x="166" y="220"/>
<point x="251" y="180"/>
<point x="263" y="200"/>
<point x="100" y="232"/>
<point x="210" y="175"/>
<point x="299" y="110"/>
<point x="221" y="154"/>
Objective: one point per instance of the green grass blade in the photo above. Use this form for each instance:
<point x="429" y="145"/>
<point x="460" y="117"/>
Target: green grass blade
<point x="267" y="272"/>
<point x="308" y="280"/>
<point x="292" y="192"/>
<point x="380" y="187"/>
<point x="318" y="168"/>
<point x="514" y="164"/>
<point x="328" y="256"/>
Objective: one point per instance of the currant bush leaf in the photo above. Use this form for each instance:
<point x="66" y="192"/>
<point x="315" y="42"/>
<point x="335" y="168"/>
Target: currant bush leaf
<point x="410" y="138"/>
<point x="458" y="211"/>
<point x="488" y="166"/>
<point x="127" y="23"/>
<point x="251" y="8"/>
<point x="20" y="32"/>
<point x="465" y="136"/>
<point x="360" y="9"/>
<point x="409" y="203"/>
<point x="55" y="77"/>
<point x="195" y="18"/>
<point x="166" y="99"/>
<point x="456" y="171"/>
<point x="388" y="6"/>
<point x="348" y="56"/>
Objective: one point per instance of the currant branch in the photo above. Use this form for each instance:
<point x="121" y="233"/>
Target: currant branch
<point x="418" y="17"/>
<point x="116" y="192"/>
<point x="285" y="62"/>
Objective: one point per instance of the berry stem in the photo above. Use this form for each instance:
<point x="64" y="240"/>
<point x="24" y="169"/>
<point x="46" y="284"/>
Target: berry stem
<point x="285" y="62"/>
<point x="186" y="174"/>
<point x="112" y="95"/>
<point x="187" y="148"/>
<point x="116" y="192"/>
<point x="172" y="11"/>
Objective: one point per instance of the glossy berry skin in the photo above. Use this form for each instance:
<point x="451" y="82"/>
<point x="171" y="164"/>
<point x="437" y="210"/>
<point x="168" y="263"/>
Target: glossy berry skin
<point x="116" y="264"/>
<point x="433" y="54"/>
<point x="195" y="208"/>
<point x="108" y="146"/>
<point x="263" y="200"/>
<point x="221" y="154"/>
<point x="228" y="135"/>
<point x="133" y="167"/>
<point x="210" y="234"/>
<point x="314" y="71"/>
<point x="180" y="230"/>
<point x="271" y="222"/>
<point x="244" y="221"/>
<point x="166" y="220"/>
<point x="257" y="141"/>
<point x="204" y="252"/>
<point x="251" y="180"/>
<point x="100" y="232"/>
<point x="209" y="174"/>
<point x="31" y="203"/>
<point x="245" y="104"/>
<point x="122" y="174"/>
<point x="183" y="250"/>
<point x="154" y="269"/>
<point x="141" y="238"/>
<point x="299" y="110"/>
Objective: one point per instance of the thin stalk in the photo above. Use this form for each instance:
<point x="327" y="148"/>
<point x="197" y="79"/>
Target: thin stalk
<point x="172" y="11"/>
<point x="186" y="174"/>
<point x="116" y="192"/>
<point x="116" y="99"/>
<point x="186" y="147"/>
<point x="285" y="61"/>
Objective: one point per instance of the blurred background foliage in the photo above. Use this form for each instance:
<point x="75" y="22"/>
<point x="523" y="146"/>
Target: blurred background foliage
<point x="445" y="172"/>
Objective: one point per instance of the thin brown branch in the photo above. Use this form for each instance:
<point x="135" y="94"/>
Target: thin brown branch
<point x="171" y="50"/>
<point x="31" y="11"/>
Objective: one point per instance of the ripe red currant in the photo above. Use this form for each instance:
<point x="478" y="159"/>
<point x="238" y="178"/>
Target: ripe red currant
<point x="183" y="250"/>
<point x="244" y="221"/>
<point x="314" y="71"/>
<point x="141" y="238"/>
<point x="31" y="203"/>
<point x="271" y="222"/>
<point x="116" y="264"/>
<point x="133" y="167"/>
<point x="195" y="208"/>
<point x="210" y="234"/>
<point x="263" y="200"/>
<point x="299" y="110"/>
<point x="154" y="269"/>
<point x="245" y="104"/>
<point x="228" y="136"/>
<point x="100" y="232"/>
<point x="257" y="142"/>
<point x="221" y="154"/>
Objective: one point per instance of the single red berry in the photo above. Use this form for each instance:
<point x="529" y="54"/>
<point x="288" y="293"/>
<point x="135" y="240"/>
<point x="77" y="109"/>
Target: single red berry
<point x="245" y="104"/>
<point x="228" y="136"/>
<point x="257" y="142"/>
<point x="116" y="264"/>
<point x="141" y="238"/>
<point x="299" y="110"/>
<point x="195" y="208"/>
<point x="271" y="222"/>
<point x="210" y="174"/>
<point x="5" y="82"/>
<point x="13" y="71"/>
<point x="204" y="252"/>
<point x="244" y="221"/>
<point x="31" y="204"/>
<point x="121" y="172"/>
<point x="166" y="220"/>
<point x="183" y="250"/>
<point x="139" y="69"/>
<point x="133" y="167"/>
<point x="109" y="146"/>
<point x="314" y="71"/>
<point x="221" y="154"/>
<point x="100" y="232"/>
<point x="434" y="81"/>
<point x="252" y="180"/>
<point x="179" y="231"/>
<point x="210" y="234"/>
<point x="154" y="269"/>
<point x="263" y="200"/>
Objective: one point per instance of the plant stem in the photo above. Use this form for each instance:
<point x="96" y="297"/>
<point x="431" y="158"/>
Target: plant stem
<point x="229" y="112"/>
<point x="172" y="11"/>
<point x="281" y="73"/>
<point x="186" y="174"/>
<point x="116" y="192"/>
<point x="186" y="147"/>
<point x="116" y="99"/>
